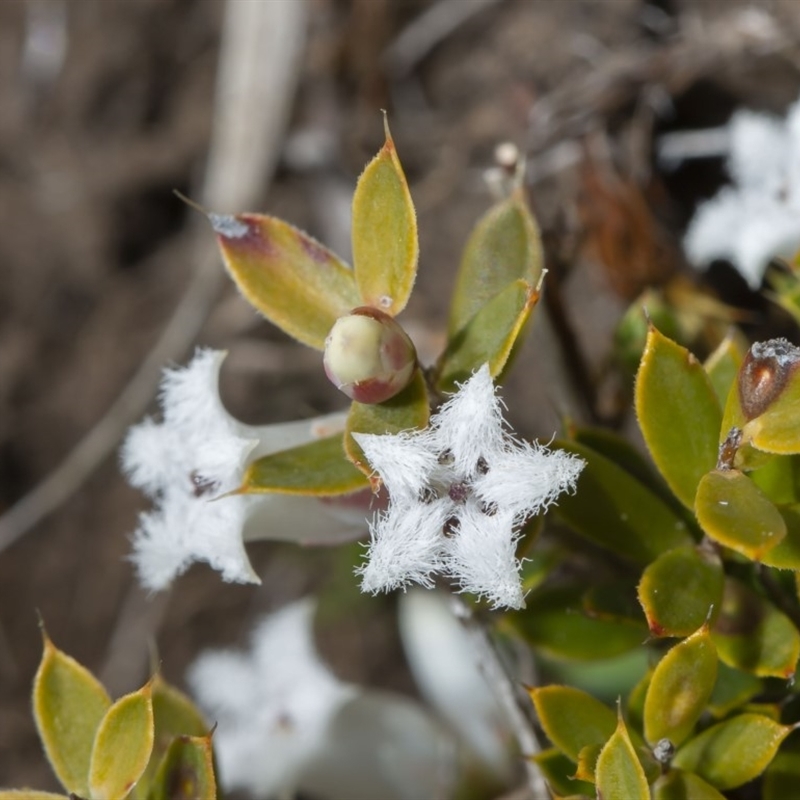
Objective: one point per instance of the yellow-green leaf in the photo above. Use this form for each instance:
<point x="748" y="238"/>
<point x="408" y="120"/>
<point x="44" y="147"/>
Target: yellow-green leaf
<point x="733" y="511"/>
<point x="572" y="719"/>
<point x="678" y="413"/>
<point x="29" y="794"/>
<point x="186" y="771"/>
<point x="782" y="777"/>
<point x="680" y="688"/>
<point x="68" y="705"/>
<point x="294" y="281"/>
<point x="122" y="746"/>
<point x="615" y="510"/>
<point x="559" y="773"/>
<point x="678" y="785"/>
<point x="317" y="468"/>
<point x="753" y="636"/>
<point x="733" y="752"/>
<point x="174" y="714"/>
<point x="489" y="337"/>
<point x="679" y="590"/>
<point x="618" y="773"/>
<point x="503" y="248"/>
<point x="385" y="245"/>
<point x="722" y="366"/>
<point x="405" y="411"/>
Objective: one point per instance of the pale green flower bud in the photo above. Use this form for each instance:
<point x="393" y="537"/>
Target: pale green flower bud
<point x="368" y="356"/>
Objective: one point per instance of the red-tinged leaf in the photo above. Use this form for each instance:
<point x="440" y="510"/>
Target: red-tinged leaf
<point x="294" y="281"/>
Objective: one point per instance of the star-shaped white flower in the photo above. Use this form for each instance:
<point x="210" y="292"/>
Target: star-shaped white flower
<point x="757" y="218"/>
<point x="187" y="462"/>
<point x="458" y="493"/>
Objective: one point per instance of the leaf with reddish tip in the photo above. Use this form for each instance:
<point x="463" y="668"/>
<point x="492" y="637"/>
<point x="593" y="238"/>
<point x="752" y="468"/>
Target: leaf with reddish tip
<point x="489" y="337"/>
<point x="294" y="281"/>
<point x="572" y="718"/>
<point x="68" y="706"/>
<point x="503" y="248"/>
<point x="618" y="772"/>
<point x="733" y="511"/>
<point x="733" y="752"/>
<point x="678" y="413"/>
<point x="680" y="689"/>
<point x="186" y="772"/>
<point x="385" y="247"/>
<point x="753" y="636"/>
<point x="679" y="590"/>
<point x="409" y="410"/>
<point x="122" y="746"/>
<point x="319" y="468"/>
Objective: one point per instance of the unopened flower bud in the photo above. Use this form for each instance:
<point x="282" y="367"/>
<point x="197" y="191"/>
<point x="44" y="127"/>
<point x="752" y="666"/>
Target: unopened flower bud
<point x="764" y="374"/>
<point x="368" y="356"/>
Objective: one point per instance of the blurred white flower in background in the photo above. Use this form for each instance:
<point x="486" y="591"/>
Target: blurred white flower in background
<point x="758" y="217"/>
<point x="286" y="723"/>
<point x="459" y="491"/>
<point x="187" y="462"/>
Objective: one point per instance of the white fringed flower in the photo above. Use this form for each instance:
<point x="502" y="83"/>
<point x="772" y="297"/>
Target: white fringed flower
<point x="187" y="462"/>
<point x="273" y="706"/>
<point x="759" y="217"/>
<point x="458" y="492"/>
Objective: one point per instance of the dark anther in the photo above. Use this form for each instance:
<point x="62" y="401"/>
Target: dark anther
<point x="482" y="467"/>
<point x="489" y="509"/>
<point x="458" y="492"/>
<point x="451" y="526"/>
<point x="202" y="486"/>
<point x="428" y="495"/>
<point x="446" y="458"/>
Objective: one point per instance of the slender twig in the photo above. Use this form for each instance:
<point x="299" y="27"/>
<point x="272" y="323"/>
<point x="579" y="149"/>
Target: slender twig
<point x="507" y="693"/>
<point x="262" y="43"/>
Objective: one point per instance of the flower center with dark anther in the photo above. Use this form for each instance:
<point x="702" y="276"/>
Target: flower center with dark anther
<point x="201" y="486"/>
<point x="458" y="492"/>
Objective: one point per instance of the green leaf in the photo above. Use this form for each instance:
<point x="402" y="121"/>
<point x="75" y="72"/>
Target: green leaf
<point x="556" y="622"/>
<point x="294" y="281"/>
<point x="777" y="479"/>
<point x="679" y="414"/>
<point x="613" y="509"/>
<point x="587" y="762"/>
<point x="558" y="771"/>
<point x="122" y="746"/>
<point x="733" y="752"/>
<point x="618" y="773"/>
<point x="680" y="688"/>
<point x="408" y="410"/>
<point x="504" y="248"/>
<point x="634" y="708"/>
<point x="680" y="588"/>
<point x="786" y="554"/>
<point x="783" y="774"/>
<point x="317" y="468"/>
<point x="572" y="719"/>
<point x="30" y="794"/>
<point x="732" y="689"/>
<point x="489" y="337"/>
<point x="733" y="511"/>
<point x="677" y="785"/>
<point x="385" y="245"/>
<point x="186" y="771"/>
<point x="752" y="635"/>
<point x="722" y="366"/>
<point x="174" y="714"/>
<point x="68" y="705"/>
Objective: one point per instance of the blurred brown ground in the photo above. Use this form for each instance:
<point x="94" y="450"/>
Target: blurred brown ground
<point x="94" y="255"/>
